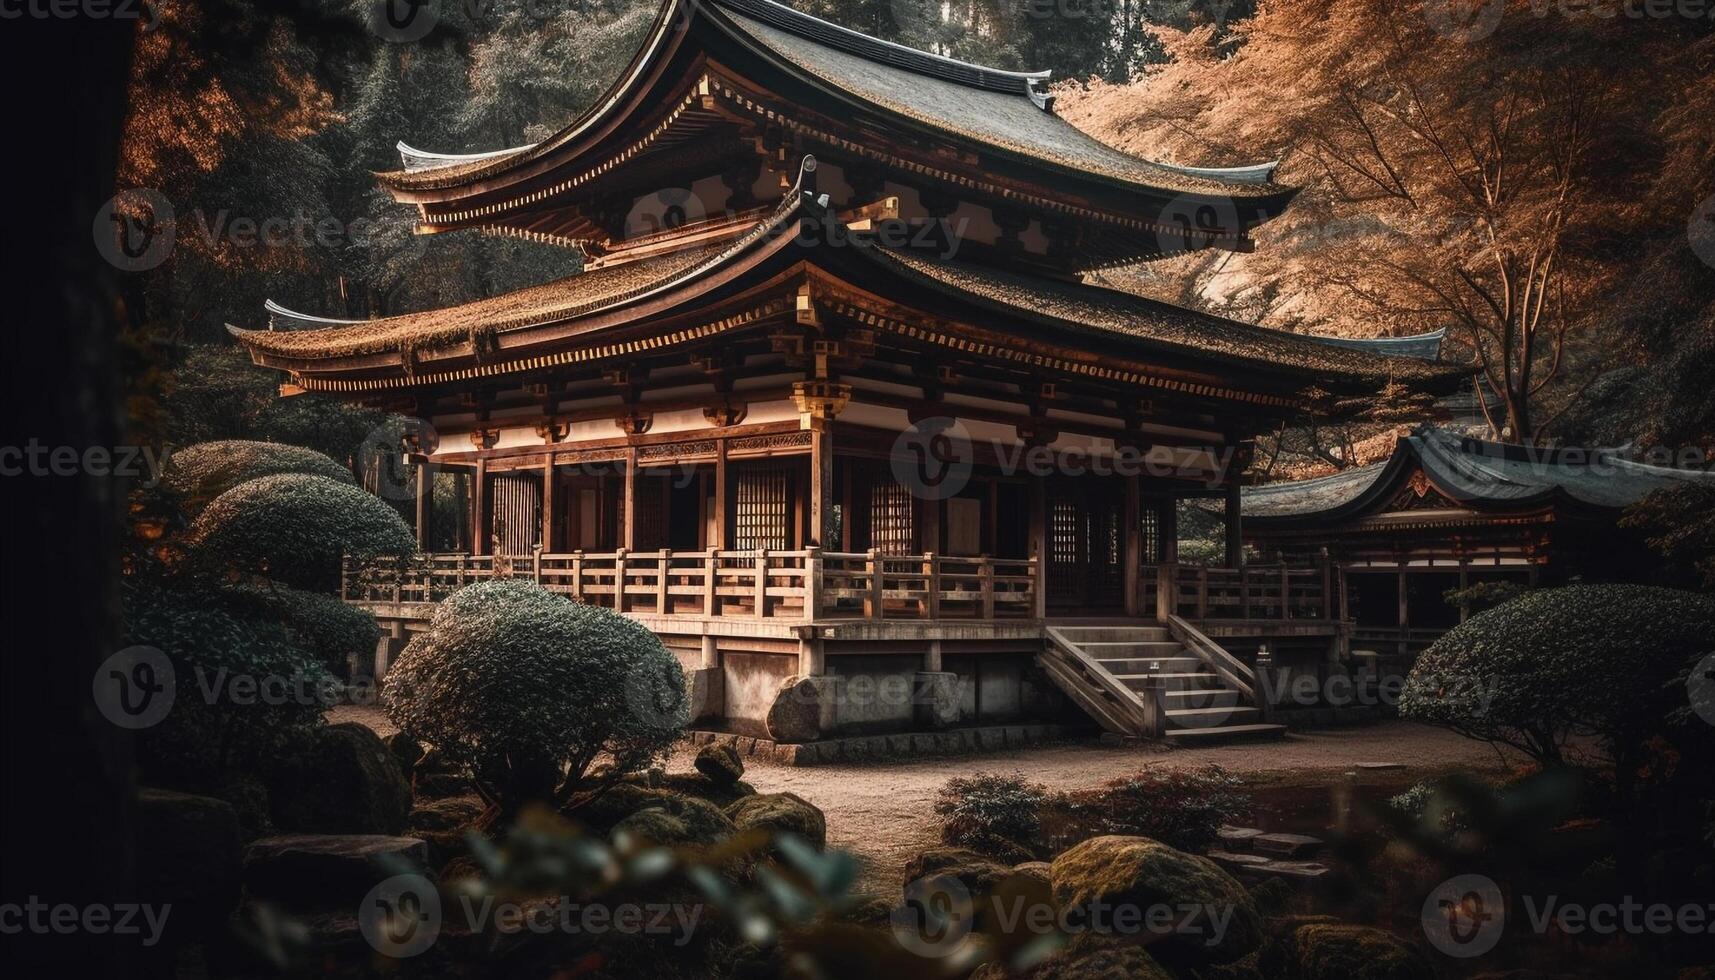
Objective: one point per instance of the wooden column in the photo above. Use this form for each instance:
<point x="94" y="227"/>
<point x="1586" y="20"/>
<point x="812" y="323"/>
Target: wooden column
<point x="1235" y="528"/>
<point x="723" y="499"/>
<point x="1170" y="531"/>
<point x="1039" y="544"/>
<point x="548" y="543"/>
<point x="1133" y="550"/>
<point x="821" y="483"/>
<point x="628" y="527"/>
<point x="480" y="533"/>
<point x="425" y="503"/>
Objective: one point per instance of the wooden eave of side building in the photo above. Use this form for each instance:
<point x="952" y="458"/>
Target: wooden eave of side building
<point x="727" y="73"/>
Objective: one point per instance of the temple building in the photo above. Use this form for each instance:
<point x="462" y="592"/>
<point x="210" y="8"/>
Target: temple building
<point x="831" y="407"/>
<point x="1446" y="512"/>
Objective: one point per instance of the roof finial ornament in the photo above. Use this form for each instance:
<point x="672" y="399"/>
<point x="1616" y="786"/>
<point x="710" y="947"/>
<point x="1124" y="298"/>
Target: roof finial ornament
<point x="807" y="181"/>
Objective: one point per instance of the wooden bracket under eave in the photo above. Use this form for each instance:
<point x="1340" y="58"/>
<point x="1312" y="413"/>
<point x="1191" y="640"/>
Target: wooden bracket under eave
<point x="289" y="389"/>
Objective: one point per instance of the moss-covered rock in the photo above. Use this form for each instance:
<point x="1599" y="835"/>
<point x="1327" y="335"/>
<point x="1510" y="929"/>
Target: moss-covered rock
<point x="443" y="824"/>
<point x="1341" y="951"/>
<point x="1214" y="919"/>
<point x="599" y="812"/>
<point x="698" y="785"/>
<point x="340" y="780"/>
<point x="781" y="812"/>
<point x="1087" y="958"/>
<point x="720" y="762"/>
<point x="677" y="820"/>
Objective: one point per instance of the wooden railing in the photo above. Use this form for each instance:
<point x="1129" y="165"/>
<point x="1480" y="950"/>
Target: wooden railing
<point x="807" y="584"/>
<point x="1252" y="592"/>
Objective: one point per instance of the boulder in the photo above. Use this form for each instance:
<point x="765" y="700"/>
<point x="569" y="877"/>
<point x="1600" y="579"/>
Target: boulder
<point x="341" y="780"/>
<point x="1040" y="870"/>
<point x="1341" y="951"/>
<point x="677" y="821"/>
<point x="600" y="812"/>
<point x="407" y="750"/>
<point x="442" y="825"/>
<point x="1141" y="875"/>
<point x="190" y="858"/>
<point x="796" y="714"/>
<point x="327" y="871"/>
<point x="781" y="812"/>
<point x="720" y="762"/>
<point x="1092" y="961"/>
<point x="698" y="785"/>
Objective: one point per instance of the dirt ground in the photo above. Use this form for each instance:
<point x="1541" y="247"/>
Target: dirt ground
<point x="884" y="811"/>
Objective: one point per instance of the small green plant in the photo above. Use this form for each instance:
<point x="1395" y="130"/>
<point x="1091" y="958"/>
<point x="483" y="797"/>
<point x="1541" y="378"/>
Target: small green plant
<point x="1180" y="807"/>
<point x="992" y="814"/>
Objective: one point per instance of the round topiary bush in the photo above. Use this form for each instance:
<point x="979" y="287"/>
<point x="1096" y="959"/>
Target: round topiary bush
<point x="293" y="528"/>
<point x="202" y="472"/>
<point x="1554" y="665"/>
<point x="223" y="663"/>
<point x="522" y="684"/>
<point x="333" y="631"/>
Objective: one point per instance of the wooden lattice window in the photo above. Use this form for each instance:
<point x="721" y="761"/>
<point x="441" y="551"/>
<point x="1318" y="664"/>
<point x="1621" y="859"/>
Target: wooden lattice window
<point x="1149" y="534"/>
<point x="762" y="512"/>
<point x="891" y="524"/>
<point x="517" y="499"/>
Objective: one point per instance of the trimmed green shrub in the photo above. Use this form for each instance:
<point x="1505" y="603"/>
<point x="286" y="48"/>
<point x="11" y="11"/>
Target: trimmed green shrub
<point x="330" y="630"/>
<point x="992" y="814"/>
<point x="1180" y="807"/>
<point x="1556" y="665"/>
<point x="1680" y="523"/>
<point x="293" y="528"/>
<point x="215" y="726"/>
<point x="200" y="473"/>
<point x="522" y="684"/>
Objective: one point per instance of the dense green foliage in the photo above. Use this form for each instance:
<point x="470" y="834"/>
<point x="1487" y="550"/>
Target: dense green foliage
<point x="331" y="631"/>
<point x="1680" y="524"/>
<point x="204" y="471"/>
<point x="1182" y="808"/>
<point x="293" y="528"/>
<point x="1554" y="665"/>
<point x="990" y="813"/>
<point x="523" y="685"/>
<point x="214" y="725"/>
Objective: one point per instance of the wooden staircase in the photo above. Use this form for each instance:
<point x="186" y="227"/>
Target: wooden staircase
<point x="1157" y="681"/>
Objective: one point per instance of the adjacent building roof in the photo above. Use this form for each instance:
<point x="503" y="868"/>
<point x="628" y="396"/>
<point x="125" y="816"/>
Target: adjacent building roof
<point x="1472" y="472"/>
<point x="1422" y="346"/>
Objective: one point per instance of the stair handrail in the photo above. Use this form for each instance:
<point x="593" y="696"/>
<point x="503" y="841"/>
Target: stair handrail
<point x="1140" y="717"/>
<point x="1231" y="669"/>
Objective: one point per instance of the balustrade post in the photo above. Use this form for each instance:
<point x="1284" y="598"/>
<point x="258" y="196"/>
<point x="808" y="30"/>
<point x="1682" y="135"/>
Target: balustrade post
<point x="578" y="575"/>
<point x="761" y="582"/>
<point x="1244" y="592"/>
<point x="1202" y="593"/>
<point x="931" y="604"/>
<point x="986" y="572"/>
<point x="1265" y="684"/>
<point x="812" y="583"/>
<point x="876" y="598"/>
<point x="1038" y="590"/>
<point x="536" y="564"/>
<point x="1166" y="591"/>
<point x="1327" y="567"/>
<point x="663" y="575"/>
<point x="461" y="569"/>
<point x="711" y="601"/>
<point x="1285" y="592"/>
<point x="619" y="580"/>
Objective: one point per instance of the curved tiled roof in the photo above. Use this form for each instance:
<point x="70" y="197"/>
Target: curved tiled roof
<point x="1001" y="110"/>
<point x="1475" y="472"/>
<point x="1423" y="346"/>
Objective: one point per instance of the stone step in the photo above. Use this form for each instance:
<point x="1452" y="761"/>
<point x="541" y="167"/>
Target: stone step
<point x="1115" y="634"/>
<point x="1286" y="845"/>
<point x="1167" y="665"/>
<point x="1216" y="717"/>
<point x="1224" y="733"/>
<point x="1210" y="697"/>
<point x="1237" y="838"/>
<point x="1174" y="681"/>
<point x="1138" y="649"/>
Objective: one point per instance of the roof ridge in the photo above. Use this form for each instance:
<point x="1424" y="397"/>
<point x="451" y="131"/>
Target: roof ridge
<point x="813" y="28"/>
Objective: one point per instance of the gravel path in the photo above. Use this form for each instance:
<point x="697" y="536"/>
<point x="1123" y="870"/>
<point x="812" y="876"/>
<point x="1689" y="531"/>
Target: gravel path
<point x="884" y="811"/>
